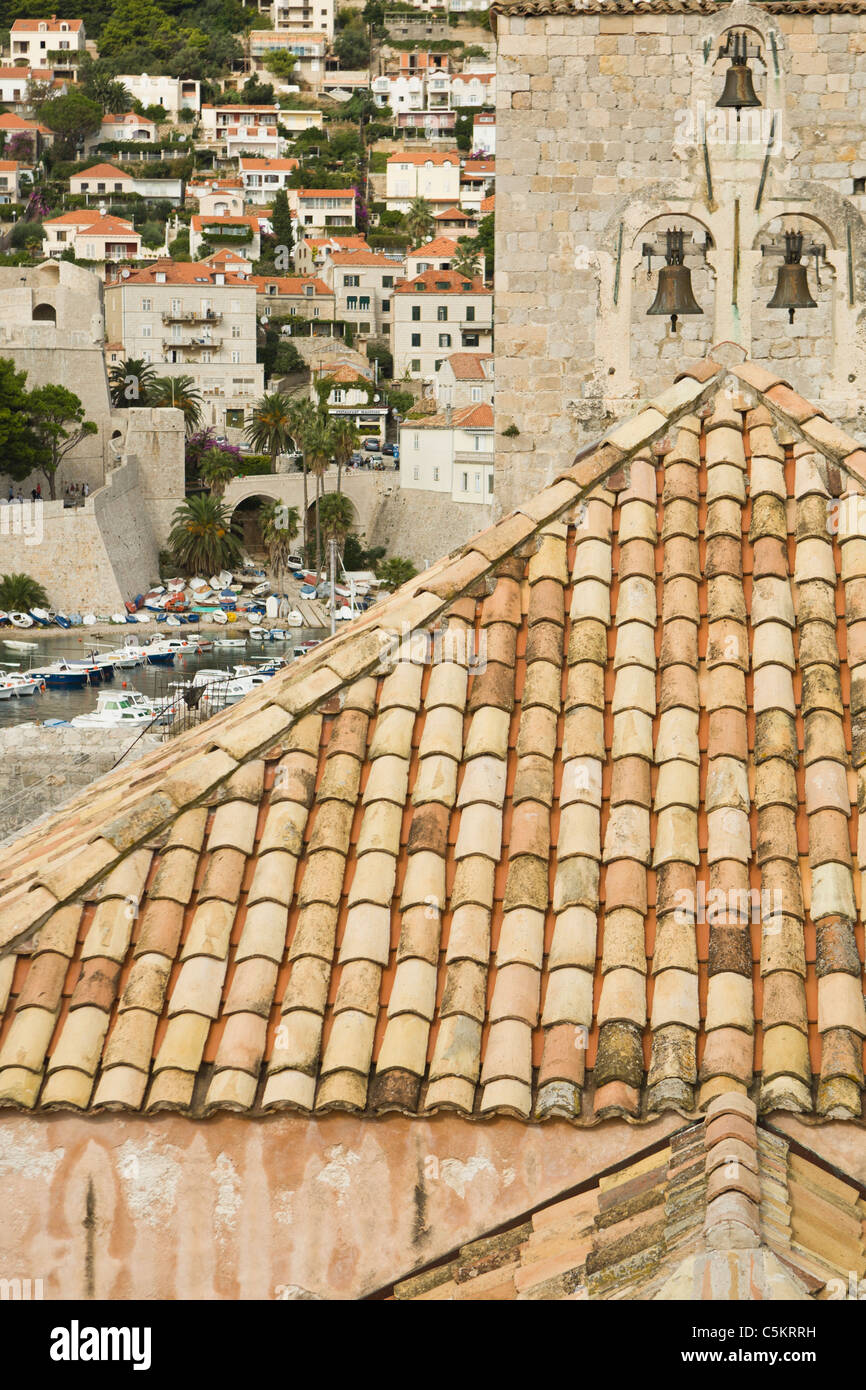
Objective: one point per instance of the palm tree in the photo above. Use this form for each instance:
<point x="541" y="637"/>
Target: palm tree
<point x="131" y="382"/>
<point x="396" y="571"/>
<point x="318" y="448"/>
<point x="182" y="393"/>
<point x="20" y="592"/>
<point x="302" y="417"/>
<point x="337" y="516"/>
<point x="217" y="469"/>
<point x="419" y="220"/>
<point x="269" y="427"/>
<point x="344" y="440"/>
<point x="203" y="538"/>
<point x="467" y="260"/>
<point x="280" y="525"/>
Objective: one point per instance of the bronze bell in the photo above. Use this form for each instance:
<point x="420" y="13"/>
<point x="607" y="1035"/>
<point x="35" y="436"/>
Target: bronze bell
<point x="674" y="291"/>
<point x="739" y="89"/>
<point x="792" y="285"/>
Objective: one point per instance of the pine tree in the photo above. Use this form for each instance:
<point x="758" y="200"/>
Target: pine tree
<point x="281" y="221"/>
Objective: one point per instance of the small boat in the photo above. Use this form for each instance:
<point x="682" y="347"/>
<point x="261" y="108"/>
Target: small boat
<point x="118" y="708"/>
<point x="75" y="620"/>
<point x="133" y="605"/>
<point x="63" y="675"/>
<point x="158" y="657"/>
<point x="15" y="646"/>
<point x="308" y="591"/>
<point x="219" y="616"/>
<point x="19" y="684"/>
<point x="261" y="590"/>
<point x="173" y="621"/>
<point x="295" y="618"/>
<point x="62" y="620"/>
<point x="230" y="642"/>
<point x="89" y="620"/>
<point x="20" y="620"/>
<point x="40" y="616"/>
<point x="260" y="634"/>
<point x="6" y="691"/>
<point x="295" y="562"/>
<point x="118" y="618"/>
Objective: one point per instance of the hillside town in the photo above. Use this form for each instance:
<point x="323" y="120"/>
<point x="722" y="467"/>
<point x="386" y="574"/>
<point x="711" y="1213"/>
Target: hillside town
<point x="432" y="723"/>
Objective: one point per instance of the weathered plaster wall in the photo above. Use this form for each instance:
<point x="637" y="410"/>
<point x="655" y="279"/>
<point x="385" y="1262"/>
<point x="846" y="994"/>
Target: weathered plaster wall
<point x="600" y="145"/>
<point x="275" y="1208"/>
<point x="424" y="525"/>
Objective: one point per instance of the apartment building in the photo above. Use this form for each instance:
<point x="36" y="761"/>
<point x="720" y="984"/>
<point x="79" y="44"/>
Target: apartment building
<point x="299" y="15"/>
<point x="353" y="395"/>
<point x="190" y="319"/>
<point x="15" y="181"/>
<point x="91" y="235"/>
<point x="477" y="181"/>
<point x="426" y="174"/>
<point x="320" y="209"/>
<point x="432" y="255"/>
<point x="219" y="198"/>
<point x="175" y="94"/>
<point x="363" y="281"/>
<point x="265" y="177"/>
<point x="310" y="253"/>
<point x="401" y="92"/>
<point x="434" y="314"/>
<point x="465" y="379"/>
<point x="473" y="88"/>
<point x="103" y="180"/>
<point x="127" y="127"/>
<point x="47" y="43"/>
<point x="484" y="133"/>
<point x="451" y="453"/>
<point x="307" y="48"/>
<point x="304" y="296"/>
<point x="235" y="233"/>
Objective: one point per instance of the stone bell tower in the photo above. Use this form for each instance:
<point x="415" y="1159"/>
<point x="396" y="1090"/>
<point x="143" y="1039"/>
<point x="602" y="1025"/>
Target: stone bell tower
<point x="617" y="126"/>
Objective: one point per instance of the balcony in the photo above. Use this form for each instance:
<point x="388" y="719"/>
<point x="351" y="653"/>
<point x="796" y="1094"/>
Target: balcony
<point x="188" y="341"/>
<point x="192" y="316"/>
<point x="468" y="456"/>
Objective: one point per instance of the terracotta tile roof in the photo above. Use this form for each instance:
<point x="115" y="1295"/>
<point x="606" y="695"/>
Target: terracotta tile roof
<point x="342" y="373"/>
<point x="488" y="204"/>
<point x="101" y="171"/>
<point x="290" y="284"/>
<point x="425" y="157"/>
<point x="365" y="256"/>
<point x="470" y="417"/>
<point x="92" y="221"/>
<point x="469" y="366"/>
<point x="127" y="118"/>
<point x="440" y="246"/>
<point x="452" y="214"/>
<point x="213" y="219"/>
<point x="183" y="273"/>
<point x="254" y="163"/>
<point x="679" y="1222"/>
<point x="52" y="26"/>
<point x="479" y="168"/>
<point x="343" y="243"/>
<point x="9" y="121"/>
<point x="442" y="282"/>
<point x="326" y="193"/>
<point x="398" y="877"/>
<point x="7" y="165"/>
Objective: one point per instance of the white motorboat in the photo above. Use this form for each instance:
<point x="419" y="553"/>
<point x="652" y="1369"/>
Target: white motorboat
<point x="118" y="618"/>
<point x="295" y="618"/>
<point x="230" y="641"/>
<point x="16" y="683"/>
<point x="116" y="709"/>
<point x="124" y="658"/>
<point x="16" y="646"/>
<point x="89" y="620"/>
<point x="20" y="620"/>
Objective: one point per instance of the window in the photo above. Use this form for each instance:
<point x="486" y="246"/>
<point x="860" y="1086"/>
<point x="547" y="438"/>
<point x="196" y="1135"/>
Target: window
<point x="236" y="357"/>
<point x="477" y="482"/>
<point x="352" y="302"/>
<point x="470" y="313"/>
<point x="387" y="282"/>
<point x="146" y="356"/>
<point x="416" y="339"/>
<point x="206" y="357"/>
<point x="437" y="364"/>
<point x="435" y="475"/>
<point x="316" y="311"/>
<point x="236" y="330"/>
<point x="145" y="306"/>
<point x="338" y="396"/>
<point x="235" y="419"/>
<point x="416" y="441"/>
<point x="477" y="444"/>
<point x="175" y="306"/>
<point x="489" y="482"/>
<point x="464" y="483"/>
<point x="444" y="339"/>
<point x="365" y="303"/>
<point x="475" y="394"/>
<point x="363" y="328"/>
<point x="442" y="313"/>
<point x="470" y="340"/>
<point x="352" y="280"/>
<point x="146" y="330"/>
<point x="416" y="313"/>
<point x="386" y="306"/>
<point x="415" y="364"/>
<point x="416" y="472"/>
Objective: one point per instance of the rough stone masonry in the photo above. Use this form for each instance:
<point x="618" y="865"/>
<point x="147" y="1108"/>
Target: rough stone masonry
<point x="609" y="134"/>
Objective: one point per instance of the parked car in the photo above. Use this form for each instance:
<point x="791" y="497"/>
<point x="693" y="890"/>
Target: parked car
<point x="371" y="446"/>
<point x="389" y="449"/>
<point x="357" y="460"/>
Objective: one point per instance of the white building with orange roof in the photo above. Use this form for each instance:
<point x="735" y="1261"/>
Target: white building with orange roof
<point x="229" y="261"/>
<point x="454" y="222"/>
<point x="174" y="94"/>
<point x="363" y="281"/>
<point x="310" y="253"/>
<point x="399" y="91"/>
<point x="430" y="174"/>
<point x="11" y="125"/>
<point x="436" y="254"/>
<point x="450" y="453"/>
<point x="321" y="209"/>
<point x="306" y="47"/>
<point x="235" y="233"/>
<point x="305" y="296"/>
<point x="104" y="180"/>
<point x="15" y="181"/>
<point x="435" y="314"/>
<point x="261" y="177"/>
<point x="473" y="88"/>
<point x="465" y="378"/>
<point x="252" y="130"/>
<point x="127" y="127"/>
<point x="91" y="235"/>
<point x="42" y="43"/>
<point x="353" y="394"/>
<point x="16" y="84"/>
<point x="219" y="198"/>
<point x="192" y="319"/>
